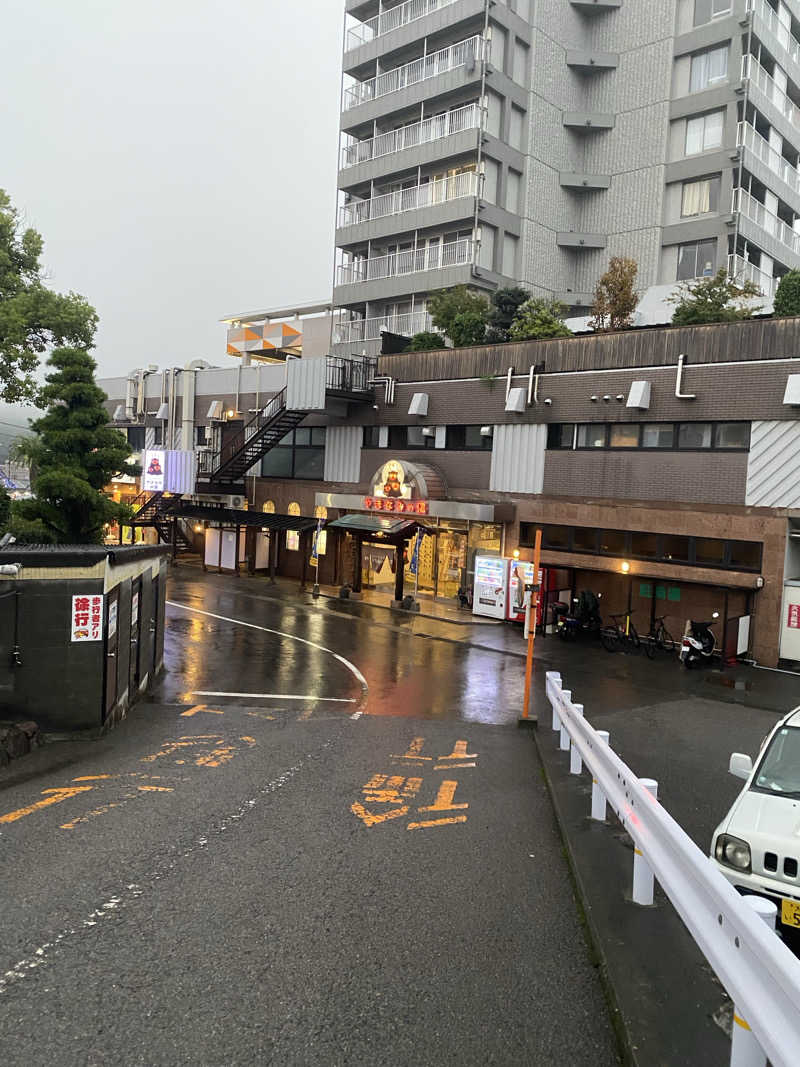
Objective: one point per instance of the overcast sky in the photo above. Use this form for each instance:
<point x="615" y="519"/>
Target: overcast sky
<point x="177" y="156"/>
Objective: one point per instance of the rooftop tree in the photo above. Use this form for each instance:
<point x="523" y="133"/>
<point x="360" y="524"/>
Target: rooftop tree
<point x="75" y="453"/>
<point x="505" y="304"/>
<point x="538" y="319"/>
<point x="461" y="314"/>
<point x="787" y="297"/>
<point x="615" y="297"/>
<point x="715" y="299"/>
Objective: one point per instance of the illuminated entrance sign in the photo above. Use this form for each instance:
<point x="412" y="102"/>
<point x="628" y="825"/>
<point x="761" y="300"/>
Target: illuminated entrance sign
<point x="396" y="506"/>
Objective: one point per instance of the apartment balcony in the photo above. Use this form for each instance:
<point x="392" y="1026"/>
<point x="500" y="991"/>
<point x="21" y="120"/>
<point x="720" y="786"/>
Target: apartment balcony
<point x="589" y="62"/>
<point x="581" y="241"/>
<point x="584" y="182"/>
<point x="435" y="128"/>
<point x="595" y="7"/>
<point x="588" y="121"/>
<point x="777" y="37"/>
<point x="348" y="333"/>
<point x="435" y="203"/>
<point x="424" y="74"/>
<point x="766" y="230"/>
<point x="768" y="165"/>
<point x="779" y="110"/>
<point x="436" y="266"/>
<point x="393" y="19"/>
<point x="742" y="271"/>
<point x="400" y="28"/>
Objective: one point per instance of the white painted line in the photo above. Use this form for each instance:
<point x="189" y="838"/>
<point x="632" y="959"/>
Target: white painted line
<point x="274" y="696"/>
<point x="356" y="714"/>
<point x="362" y="681"/>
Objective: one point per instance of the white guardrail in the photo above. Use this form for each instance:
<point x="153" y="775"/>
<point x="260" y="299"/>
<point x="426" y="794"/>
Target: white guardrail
<point x="759" y="972"/>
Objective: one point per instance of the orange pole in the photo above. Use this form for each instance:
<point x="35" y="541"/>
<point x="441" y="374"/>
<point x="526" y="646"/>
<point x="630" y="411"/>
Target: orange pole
<point x="537" y="549"/>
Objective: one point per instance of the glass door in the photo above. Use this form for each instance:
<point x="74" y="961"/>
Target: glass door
<point x="451" y="574"/>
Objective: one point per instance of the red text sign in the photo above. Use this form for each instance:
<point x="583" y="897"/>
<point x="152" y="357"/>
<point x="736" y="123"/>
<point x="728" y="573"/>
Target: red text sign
<point x="396" y="505"/>
<point x="793" y="620"/>
<point x="87" y="617"/>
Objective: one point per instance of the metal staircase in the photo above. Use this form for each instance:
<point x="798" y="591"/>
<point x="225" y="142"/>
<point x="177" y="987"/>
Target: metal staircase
<point x="156" y="510"/>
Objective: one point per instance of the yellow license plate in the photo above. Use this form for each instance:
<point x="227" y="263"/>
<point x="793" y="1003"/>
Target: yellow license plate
<point x="790" y="913"/>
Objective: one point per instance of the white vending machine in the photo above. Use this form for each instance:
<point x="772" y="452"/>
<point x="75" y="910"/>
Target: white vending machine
<point x="517" y="568"/>
<point x="490" y="591"/>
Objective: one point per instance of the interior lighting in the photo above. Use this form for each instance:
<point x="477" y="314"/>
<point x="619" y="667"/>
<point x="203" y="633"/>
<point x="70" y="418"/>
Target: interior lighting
<point x="625" y="566"/>
<point x="515" y="553"/>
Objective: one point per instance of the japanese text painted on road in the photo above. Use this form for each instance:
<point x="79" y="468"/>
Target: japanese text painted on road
<point x="387" y="797"/>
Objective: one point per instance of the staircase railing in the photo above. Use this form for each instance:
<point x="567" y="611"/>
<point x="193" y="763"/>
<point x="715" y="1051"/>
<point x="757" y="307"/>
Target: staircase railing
<point x="212" y="462"/>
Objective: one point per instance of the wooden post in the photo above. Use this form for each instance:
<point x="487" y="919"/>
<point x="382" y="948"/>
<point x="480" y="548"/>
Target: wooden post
<point x="236" y="551"/>
<point x="537" y="551"/>
<point x="304" y="549"/>
<point x="357" y="565"/>
<point x="399" y="574"/>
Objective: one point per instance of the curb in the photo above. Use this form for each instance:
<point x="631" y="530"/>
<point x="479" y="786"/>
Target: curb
<point x="594" y="942"/>
<point x="413" y="614"/>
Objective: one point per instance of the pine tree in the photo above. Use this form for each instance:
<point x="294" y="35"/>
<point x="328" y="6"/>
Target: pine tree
<point x="75" y="454"/>
<point x="506" y="304"/>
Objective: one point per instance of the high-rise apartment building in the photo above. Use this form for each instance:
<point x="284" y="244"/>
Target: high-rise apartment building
<point x="528" y="141"/>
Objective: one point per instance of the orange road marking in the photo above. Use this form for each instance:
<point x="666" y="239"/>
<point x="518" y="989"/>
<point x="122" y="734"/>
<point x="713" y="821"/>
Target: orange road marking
<point x="55" y="796"/>
<point x="249" y="740"/>
<point x="460" y="752"/>
<point x="259" y="715"/>
<point x="413" y="754"/>
<point x="93" y="777"/>
<point x="371" y="819"/>
<point x="200" y="707"/>
<point x="452" y="766"/>
<point x="444" y="799"/>
<point x="155" y="789"/>
<point x="435" y="822"/>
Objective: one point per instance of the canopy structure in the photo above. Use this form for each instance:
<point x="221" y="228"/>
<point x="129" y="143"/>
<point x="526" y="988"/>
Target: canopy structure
<point x="239" y="517"/>
<point x="383" y="530"/>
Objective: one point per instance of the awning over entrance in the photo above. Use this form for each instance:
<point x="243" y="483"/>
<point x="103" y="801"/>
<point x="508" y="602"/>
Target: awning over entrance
<point x="239" y="517"/>
<point x="364" y="525"/>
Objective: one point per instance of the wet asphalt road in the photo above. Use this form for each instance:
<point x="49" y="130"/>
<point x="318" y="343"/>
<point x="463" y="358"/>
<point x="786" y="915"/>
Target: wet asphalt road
<point x="288" y="878"/>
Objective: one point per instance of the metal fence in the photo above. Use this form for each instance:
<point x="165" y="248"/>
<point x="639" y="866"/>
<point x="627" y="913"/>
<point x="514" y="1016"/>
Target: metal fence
<point x="759" y="972"/>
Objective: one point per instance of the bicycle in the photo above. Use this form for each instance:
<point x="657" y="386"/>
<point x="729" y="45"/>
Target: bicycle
<point x="660" y="637"/>
<point x="613" y="637"/>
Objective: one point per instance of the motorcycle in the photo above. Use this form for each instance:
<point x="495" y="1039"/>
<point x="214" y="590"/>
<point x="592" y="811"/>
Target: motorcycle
<point x="584" y="619"/>
<point x="698" y="642"/>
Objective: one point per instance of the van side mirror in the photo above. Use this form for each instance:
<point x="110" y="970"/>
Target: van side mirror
<point x="740" y="766"/>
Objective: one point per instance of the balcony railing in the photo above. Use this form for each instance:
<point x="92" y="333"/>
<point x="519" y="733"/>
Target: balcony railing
<point x="749" y="137"/>
<point x="742" y="271"/>
<point x="433" y="256"/>
<point x="769" y="222"/>
<point x="784" y="35"/>
<point x="390" y="20"/>
<point x="753" y="70"/>
<point x="370" y="329"/>
<point x="440" y="191"/>
<point x="464" y="53"/>
<point x="417" y="133"/>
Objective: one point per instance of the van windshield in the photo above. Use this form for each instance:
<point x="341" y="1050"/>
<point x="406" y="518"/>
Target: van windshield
<point x="779" y="770"/>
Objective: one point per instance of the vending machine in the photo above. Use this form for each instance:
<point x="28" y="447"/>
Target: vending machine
<point x="491" y="587"/>
<point x="519" y="568"/>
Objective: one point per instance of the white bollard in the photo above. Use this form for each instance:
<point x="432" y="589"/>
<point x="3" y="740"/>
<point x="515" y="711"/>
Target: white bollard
<point x="563" y="744"/>
<point x="556" y="689"/>
<point x="575" y="761"/>
<point x="745" y="1049"/>
<point x="642" y="874"/>
<point x="598" y="796"/>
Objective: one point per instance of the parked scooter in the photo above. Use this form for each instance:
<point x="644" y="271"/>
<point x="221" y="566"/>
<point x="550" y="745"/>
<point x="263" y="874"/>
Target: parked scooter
<point x="583" y="619"/>
<point x="698" y="642"/>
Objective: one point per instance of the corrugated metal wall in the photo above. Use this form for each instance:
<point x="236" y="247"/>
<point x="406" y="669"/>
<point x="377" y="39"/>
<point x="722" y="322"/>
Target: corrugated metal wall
<point x="305" y="384"/>
<point x="518" y="459"/>
<point x="773" y="465"/>
<point x="343" y="453"/>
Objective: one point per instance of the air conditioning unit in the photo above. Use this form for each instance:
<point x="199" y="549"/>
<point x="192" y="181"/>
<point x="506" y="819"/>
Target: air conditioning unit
<point x="486" y="431"/>
<point x="235" y="501"/>
<point x="428" y="431"/>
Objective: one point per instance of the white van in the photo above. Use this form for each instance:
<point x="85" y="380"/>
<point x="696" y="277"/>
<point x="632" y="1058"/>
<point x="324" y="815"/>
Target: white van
<point x="757" y="844"/>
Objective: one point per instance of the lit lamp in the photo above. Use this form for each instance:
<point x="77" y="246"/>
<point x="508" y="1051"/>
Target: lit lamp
<point x="515" y="553"/>
<point x="198" y="528"/>
<point x="625" y="567"/>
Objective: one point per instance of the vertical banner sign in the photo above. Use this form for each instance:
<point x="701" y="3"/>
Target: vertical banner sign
<point x="314" y="545"/>
<point x="793" y="621"/>
<point x="413" y="566"/>
<point x="153" y="474"/>
<point x="87" y="617"/>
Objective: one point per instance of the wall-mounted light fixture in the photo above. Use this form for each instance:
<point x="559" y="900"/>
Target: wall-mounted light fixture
<point x="515" y="553"/>
<point x="625" y="566"/>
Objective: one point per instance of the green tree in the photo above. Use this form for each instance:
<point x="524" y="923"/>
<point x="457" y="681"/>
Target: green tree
<point x="460" y="313"/>
<point x="538" y="318"/>
<point x="787" y="298"/>
<point x="75" y="454"/>
<point x="5" y="509"/>
<point x="713" y="299"/>
<point x="32" y="317"/>
<point x="615" y="297"/>
<point x="505" y="304"/>
<point x="425" y="341"/>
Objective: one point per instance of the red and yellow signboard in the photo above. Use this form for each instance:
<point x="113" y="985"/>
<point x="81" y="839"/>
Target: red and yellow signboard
<point x="396" y="506"/>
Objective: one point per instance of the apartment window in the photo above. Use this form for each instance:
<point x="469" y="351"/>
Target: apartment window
<point x="613" y="542"/>
<point x="136" y="438"/>
<point x="398" y="438"/>
<point x="744" y="555"/>
<point x="510" y="243"/>
<point x="697" y="260"/>
<point x="674" y="549"/>
<point x="418" y="438"/>
<point x="560" y="435"/>
<point x="468" y="439"/>
<point x="584" y="539"/>
<point x="704" y="132"/>
<point x="513" y="189"/>
<point x="300" y="454"/>
<point x="708" y="68"/>
<point x="591" y="435"/>
<point x="644" y="545"/>
<point x="658" y="435"/>
<point x="372" y="437"/>
<point x="516" y="128"/>
<point x="158" y="435"/>
<point x="556" y="537"/>
<point x="202" y="435"/>
<point x="694" y="435"/>
<point x="732" y="435"/>
<point x="709" y="552"/>
<point x="707" y="10"/>
<point x="624" y="436"/>
<point x="700" y="197"/>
